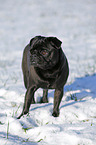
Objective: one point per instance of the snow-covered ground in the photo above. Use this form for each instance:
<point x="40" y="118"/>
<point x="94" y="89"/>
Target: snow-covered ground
<point x="73" y="22"/>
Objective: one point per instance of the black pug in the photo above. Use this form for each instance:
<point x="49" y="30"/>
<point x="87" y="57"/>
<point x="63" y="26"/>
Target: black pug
<point x="44" y="66"/>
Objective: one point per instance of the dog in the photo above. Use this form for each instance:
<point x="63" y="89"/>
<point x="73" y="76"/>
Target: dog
<point x="44" y="66"/>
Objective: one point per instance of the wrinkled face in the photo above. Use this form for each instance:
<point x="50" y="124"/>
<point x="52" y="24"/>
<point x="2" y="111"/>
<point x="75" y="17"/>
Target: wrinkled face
<point x="43" y="52"/>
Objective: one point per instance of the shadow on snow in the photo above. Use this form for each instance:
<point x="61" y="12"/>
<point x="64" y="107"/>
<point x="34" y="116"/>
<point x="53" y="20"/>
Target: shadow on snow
<point x="83" y="87"/>
<point x="16" y="139"/>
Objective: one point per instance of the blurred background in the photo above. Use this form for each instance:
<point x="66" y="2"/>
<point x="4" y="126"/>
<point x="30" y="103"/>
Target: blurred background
<point x="71" y="21"/>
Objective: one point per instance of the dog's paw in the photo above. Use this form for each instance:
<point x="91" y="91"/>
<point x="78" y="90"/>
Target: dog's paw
<point x="43" y="100"/>
<point x="19" y="116"/>
<point x="55" y="113"/>
<point x="23" y="113"/>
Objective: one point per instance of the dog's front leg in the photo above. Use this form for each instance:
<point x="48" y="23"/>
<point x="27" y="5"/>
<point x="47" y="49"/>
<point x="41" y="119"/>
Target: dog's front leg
<point x="29" y="98"/>
<point x="57" y="99"/>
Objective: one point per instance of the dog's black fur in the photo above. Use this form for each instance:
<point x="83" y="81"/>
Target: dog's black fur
<point x="44" y="66"/>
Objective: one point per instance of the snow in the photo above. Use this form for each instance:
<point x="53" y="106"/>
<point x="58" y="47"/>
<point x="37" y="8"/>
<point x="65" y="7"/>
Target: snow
<point x="74" y="23"/>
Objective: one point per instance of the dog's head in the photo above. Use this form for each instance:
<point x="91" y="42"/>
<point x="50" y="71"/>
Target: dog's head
<point x="44" y="51"/>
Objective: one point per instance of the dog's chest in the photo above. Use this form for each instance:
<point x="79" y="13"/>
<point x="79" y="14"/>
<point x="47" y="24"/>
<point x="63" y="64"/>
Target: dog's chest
<point x="38" y="80"/>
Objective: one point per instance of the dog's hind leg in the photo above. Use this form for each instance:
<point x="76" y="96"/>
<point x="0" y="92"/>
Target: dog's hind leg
<point x="44" y="99"/>
<point x="29" y="98"/>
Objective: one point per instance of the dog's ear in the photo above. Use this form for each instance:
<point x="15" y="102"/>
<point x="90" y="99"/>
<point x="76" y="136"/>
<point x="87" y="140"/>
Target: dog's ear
<point x="30" y="43"/>
<point x="55" y="42"/>
<point x="35" y="40"/>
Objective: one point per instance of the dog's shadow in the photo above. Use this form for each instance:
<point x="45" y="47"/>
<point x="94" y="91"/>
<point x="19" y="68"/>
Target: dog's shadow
<point x="82" y="88"/>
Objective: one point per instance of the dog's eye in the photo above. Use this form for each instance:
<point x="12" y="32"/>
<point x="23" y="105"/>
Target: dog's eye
<point x="43" y="52"/>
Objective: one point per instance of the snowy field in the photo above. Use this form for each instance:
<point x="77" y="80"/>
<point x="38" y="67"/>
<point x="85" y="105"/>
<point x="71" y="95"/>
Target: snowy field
<point x="74" y="23"/>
